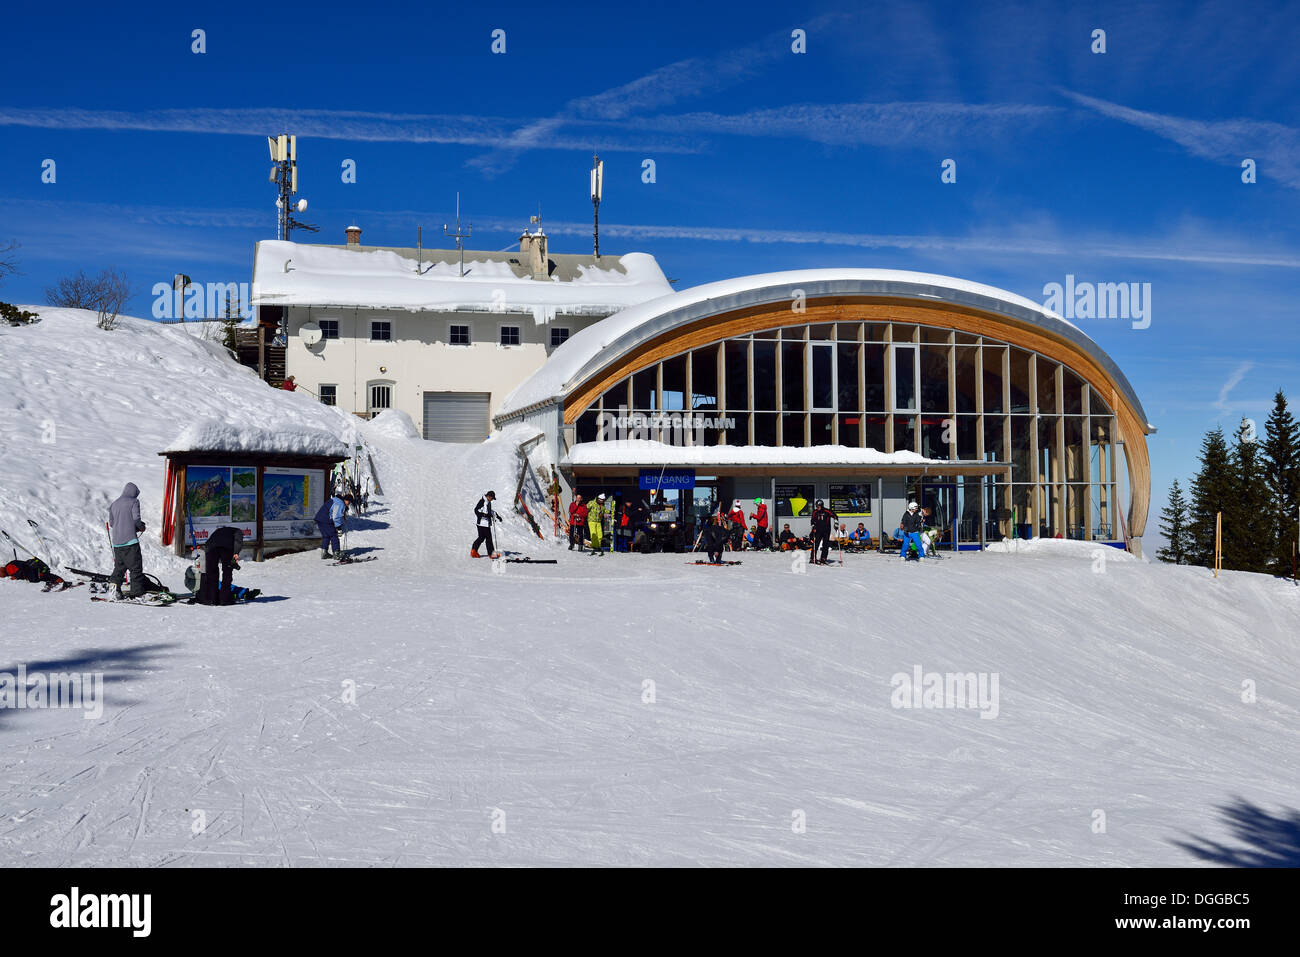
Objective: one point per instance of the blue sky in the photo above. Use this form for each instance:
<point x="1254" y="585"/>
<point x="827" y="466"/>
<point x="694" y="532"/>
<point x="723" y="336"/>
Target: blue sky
<point x="1114" y="167"/>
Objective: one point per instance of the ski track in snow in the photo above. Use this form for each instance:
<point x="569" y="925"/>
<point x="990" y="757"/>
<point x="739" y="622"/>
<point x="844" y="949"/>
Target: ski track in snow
<point x="521" y="692"/>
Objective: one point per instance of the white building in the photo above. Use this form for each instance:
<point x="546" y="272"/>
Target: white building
<point x="403" y="328"/>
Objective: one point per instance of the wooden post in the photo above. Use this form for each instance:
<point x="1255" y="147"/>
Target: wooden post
<point x="261" y="351"/>
<point x="1218" y="542"/>
<point x="261" y="544"/>
<point x="181" y="531"/>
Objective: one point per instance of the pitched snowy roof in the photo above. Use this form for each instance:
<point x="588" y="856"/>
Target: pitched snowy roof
<point x="302" y="274"/>
<point x="602" y="343"/>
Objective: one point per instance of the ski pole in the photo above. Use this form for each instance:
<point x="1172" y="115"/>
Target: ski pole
<point x="13" y="542"/>
<point x="37" y="530"/>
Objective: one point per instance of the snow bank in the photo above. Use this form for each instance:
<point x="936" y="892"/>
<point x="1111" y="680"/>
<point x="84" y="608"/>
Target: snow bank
<point x="287" y="273"/>
<point x="226" y="436"/>
<point x="1058" y="548"/>
<point x="393" y="424"/>
<point x="647" y="452"/>
<point x="84" y="411"/>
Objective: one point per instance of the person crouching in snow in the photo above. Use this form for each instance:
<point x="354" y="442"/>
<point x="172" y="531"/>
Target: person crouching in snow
<point x="484" y="515"/>
<point x="911" y="525"/>
<point x="596" y="522"/>
<point x="124" y="528"/>
<point x="329" y="519"/>
<point x="715" y="539"/>
<point x="221" y="558"/>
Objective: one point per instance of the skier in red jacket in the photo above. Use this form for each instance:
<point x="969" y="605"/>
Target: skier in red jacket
<point x="738" y="527"/>
<point x="577" y="523"/>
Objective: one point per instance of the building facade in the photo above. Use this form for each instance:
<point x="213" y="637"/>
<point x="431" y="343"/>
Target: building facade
<point x="865" y="388"/>
<point x="444" y="340"/>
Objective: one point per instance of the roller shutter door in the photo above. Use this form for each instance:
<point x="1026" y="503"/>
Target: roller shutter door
<point x="456" y="416"/>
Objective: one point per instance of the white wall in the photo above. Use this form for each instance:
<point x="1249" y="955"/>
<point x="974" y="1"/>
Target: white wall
<point x="418" y="359"/>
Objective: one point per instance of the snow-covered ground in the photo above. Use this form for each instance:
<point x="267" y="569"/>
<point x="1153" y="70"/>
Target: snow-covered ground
<point x="425" y="709"/>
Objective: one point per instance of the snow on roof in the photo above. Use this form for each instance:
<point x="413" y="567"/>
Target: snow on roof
<point x="286" y="273"/>
<point x="225" y="435"/>
<point x="601" y="343"/>
<point x="650" y="453"/>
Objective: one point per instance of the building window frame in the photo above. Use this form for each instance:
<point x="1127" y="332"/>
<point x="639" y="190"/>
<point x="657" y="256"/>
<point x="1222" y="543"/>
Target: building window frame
<point x="518" y="335"/>
<point x="378" y="325"/>
<point x="328" y="393"/>
<point x="329" y="328"/>
<point x="452" y="331"/>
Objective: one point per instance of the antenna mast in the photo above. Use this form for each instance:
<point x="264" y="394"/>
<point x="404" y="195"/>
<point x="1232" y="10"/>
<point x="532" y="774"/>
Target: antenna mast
<point x="284" y="154"/>
<point x="597" y="187"/>
<point x="458" y="235"/>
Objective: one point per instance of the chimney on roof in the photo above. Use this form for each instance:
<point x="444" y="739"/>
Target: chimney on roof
<point x="532" y="249"/>
<point x="354" y="235"/>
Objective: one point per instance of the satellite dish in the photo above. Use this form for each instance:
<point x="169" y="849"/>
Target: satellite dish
<point x="302" y="205"/>
<point x="310" y="333"/>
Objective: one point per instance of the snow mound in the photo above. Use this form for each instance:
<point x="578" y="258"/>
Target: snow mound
<point x="1059" y="548"/>
<point x="84" y="411"/>
<point x="393" y="424"/>
<point x="226" y="436"/>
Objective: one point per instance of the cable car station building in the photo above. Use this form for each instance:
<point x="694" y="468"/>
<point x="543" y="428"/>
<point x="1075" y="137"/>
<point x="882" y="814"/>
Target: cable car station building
<point x="863" y="387"/>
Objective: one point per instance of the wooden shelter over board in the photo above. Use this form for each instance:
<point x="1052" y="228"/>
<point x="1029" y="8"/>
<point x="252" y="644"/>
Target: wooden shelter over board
<point x="268" y="484"/>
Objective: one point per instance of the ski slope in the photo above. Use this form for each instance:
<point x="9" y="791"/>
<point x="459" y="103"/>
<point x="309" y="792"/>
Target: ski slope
<point x="426" y="709"/>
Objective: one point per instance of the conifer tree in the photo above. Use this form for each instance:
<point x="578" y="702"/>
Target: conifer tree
<point x="1174" y="526"/>
<point x="1282" y="468"/>
<point x="1212" y="491"/>
<point x="1249" y="522"/>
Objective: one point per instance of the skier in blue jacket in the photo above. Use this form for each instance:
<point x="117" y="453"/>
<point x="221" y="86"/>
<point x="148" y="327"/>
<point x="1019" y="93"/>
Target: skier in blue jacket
<point x="329" y="519"/>
<point x="911" y="525"/>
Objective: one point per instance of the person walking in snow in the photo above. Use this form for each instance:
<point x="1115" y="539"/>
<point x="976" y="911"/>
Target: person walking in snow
<point x="484" y="516"/>
<point x="596" y="522"/>
<point x="911" y="525"/>
<point x="577" y="523"/>
<point x="124" y="528"/>
<point x="822" y="517"/>
<point x="330" y="519"/>
<point x="737" y="519"/>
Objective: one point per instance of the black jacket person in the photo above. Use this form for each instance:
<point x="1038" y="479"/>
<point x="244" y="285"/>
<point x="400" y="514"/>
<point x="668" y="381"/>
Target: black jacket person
<point x="822" y="518"/>
<point x="220" y="555"/>
<point x="715" y="539"/>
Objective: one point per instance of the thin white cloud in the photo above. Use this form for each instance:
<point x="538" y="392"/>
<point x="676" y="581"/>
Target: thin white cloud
<point x="1274" y="147"/>
<point x="351" y="125"/>
<point x="1239" y="373"/>
<point x="877" y="124"/>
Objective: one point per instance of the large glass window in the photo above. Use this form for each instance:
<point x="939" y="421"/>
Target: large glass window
<point x="821" y="368"/>
<point x="873" y="357"/>
<point x="1049" y="449"/>
<point x="905" y="378"/>
<point x="792" y="428"/>
<point x="966" y="359"/>
<point x="934" y="379"/>
<point x="765" y="428"/>
<point x="994" y="435"/>
<point x="935" y="433"/>
<point x="645" y="390"/>
<point x="1020" y="360"/>
<point x="674" y="383"/>
<point x="850" y="429"/>
<point x="994" y="356"/>
<point x="967" y="427"/>
<point x="1022" y="461"/>
<point x="1046" y="386"/>
<point x="904" y="433"/>
<point x="765" y="375"/>
<point x="821" y="429"/>
<point x="847" y="374"/>
<point x="736" y="352"/>
<point x="704" y="378"/>
<point x="792" y="369"/>
<point x="1071" y="393"/>
<point x="873" y="432"/>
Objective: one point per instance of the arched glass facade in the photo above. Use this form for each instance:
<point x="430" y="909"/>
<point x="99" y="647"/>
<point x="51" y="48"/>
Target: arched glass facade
<point x="891" y="386"/>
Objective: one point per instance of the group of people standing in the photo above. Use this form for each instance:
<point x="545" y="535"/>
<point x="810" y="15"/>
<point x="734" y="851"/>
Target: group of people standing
<point x="589" y="522"/>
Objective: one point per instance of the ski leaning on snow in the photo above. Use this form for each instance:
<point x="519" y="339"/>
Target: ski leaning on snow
<point x="715" y="564"/>
<point x="526" y="560"/>
<point x="355" y="561"/>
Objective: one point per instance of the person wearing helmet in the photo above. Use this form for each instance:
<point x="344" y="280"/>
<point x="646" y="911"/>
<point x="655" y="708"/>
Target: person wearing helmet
<point x="911" y="524"/>
<point x="822" y="519"/>
<point x="484" y="519"/>
<point x="761" y="535"/>
<point x="596" y="512"/>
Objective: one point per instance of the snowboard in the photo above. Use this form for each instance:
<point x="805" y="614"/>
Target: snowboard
<point x="153" y="599"/>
